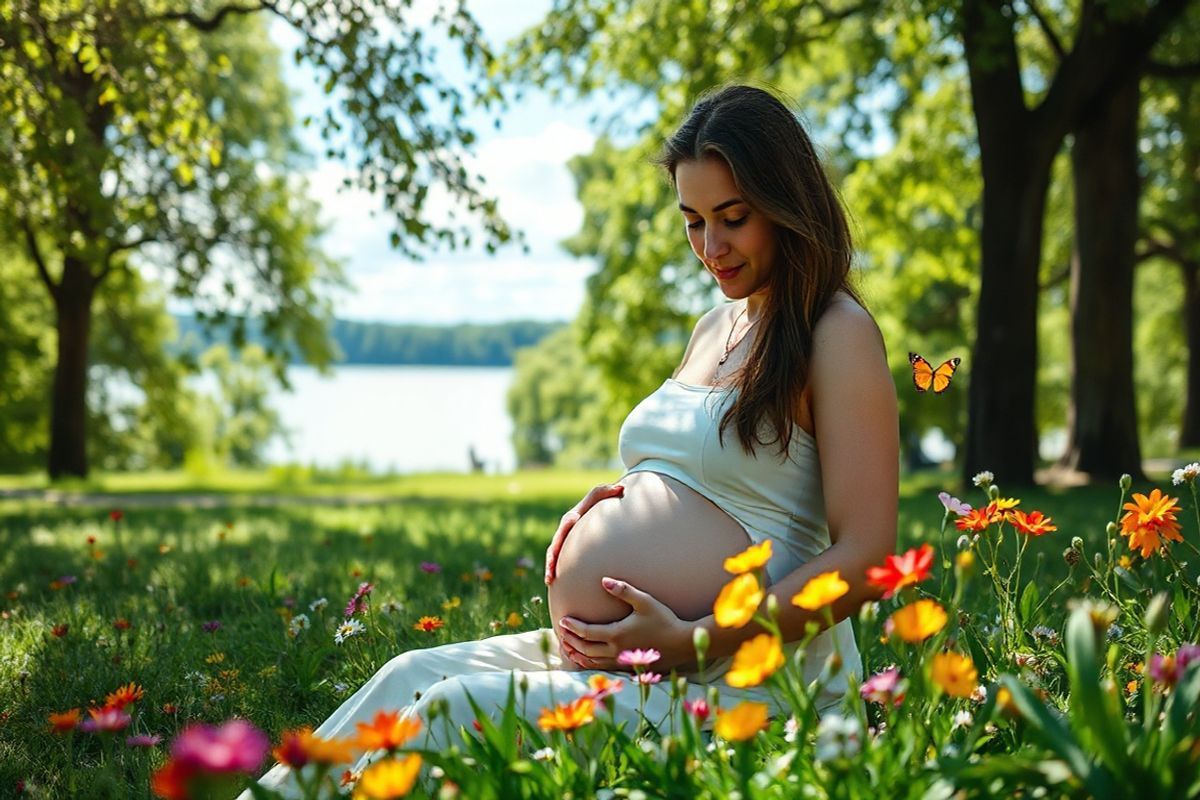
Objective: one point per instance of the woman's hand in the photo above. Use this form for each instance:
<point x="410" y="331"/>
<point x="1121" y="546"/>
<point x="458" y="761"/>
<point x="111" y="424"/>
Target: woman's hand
<point x="601" y="492"/>
<point x="649" y="624"/>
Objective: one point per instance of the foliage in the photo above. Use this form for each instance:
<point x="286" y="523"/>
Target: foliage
<point x="245" y="423"/>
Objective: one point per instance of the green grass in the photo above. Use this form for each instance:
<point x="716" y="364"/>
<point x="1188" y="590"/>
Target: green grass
<point x="169" y="569"/>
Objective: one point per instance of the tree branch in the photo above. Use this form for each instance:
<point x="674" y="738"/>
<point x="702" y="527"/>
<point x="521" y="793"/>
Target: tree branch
<point x="36" y="253"/>
<point x="213" y="22"/>
<point x="1044" y="24"/>
<point x="1159" y="69"/>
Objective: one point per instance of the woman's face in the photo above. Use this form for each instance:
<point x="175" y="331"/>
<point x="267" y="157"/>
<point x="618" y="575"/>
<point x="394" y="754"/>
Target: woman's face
<point x="735" y="242"/>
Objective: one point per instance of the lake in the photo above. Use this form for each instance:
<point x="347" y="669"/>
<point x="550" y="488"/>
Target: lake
<point x="397" y="418"/>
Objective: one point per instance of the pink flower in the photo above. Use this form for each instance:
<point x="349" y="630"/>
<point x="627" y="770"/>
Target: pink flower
<point x="358" y="602"/>
<point x="109" y="719"/>
<point x="953" y="504"/>
<point x="1168" y="670"/>
<point x="883" y="687"/>
<point x="143" y="740"/>
<point x="697" y="708"/>
<point x="236" y="746"/>
<point x="638" y="658"/>
<point x="647" y="678"/>
<point x="430" y="567"/>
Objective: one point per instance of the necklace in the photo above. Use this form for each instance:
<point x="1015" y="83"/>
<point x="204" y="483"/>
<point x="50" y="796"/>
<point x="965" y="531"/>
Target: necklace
<point x="730" y="347"/>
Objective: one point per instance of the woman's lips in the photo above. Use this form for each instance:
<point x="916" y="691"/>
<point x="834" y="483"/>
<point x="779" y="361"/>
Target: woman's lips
<point x="728" y="274"/>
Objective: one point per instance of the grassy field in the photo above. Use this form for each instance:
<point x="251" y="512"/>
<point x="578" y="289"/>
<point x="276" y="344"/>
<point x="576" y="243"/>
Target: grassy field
<point x="194" y="604"/>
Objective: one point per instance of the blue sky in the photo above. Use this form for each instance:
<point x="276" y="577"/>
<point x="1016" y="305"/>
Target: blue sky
<point x="524" y="163"/>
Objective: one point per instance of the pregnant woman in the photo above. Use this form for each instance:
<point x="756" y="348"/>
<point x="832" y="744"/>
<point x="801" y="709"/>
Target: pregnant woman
<point x="779" y="425"/>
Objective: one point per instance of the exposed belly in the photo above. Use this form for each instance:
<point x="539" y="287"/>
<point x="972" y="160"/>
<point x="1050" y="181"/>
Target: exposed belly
<point x="661" y="537"/>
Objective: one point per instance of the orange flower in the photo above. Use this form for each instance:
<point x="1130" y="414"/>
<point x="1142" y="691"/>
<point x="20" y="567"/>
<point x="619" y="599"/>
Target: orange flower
<point x="602" y="686"/>
<point x="755" y="661"/>
<point x="741" y="722"/>
<point x="1032" y="524"/>
<point x="977" y="520"/>
<point x="749" y="559"/>
<point x="955" y="674"/>
<point x="568" y="716"/>
<point x="429" y="624"/>
<point x="387" y="731"/>
<point x="738" y="600"/>
<point x="59" y="630"/>
<point x="514" y="619"/>
<point x="66" y="721"/>
<point x="389" y="779"/>
<point x="821" y="591"/>
<point x="129" y="693"/>
<point x="302" y="746"/>
<point x="122" y="624"/>
<point x="1150" y="522"/>
<point x="917" y="621"/>
<point x="170" y="781"/>
<point x="900" y="571"/>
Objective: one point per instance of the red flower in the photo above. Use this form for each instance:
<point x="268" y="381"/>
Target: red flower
<point x="116" y="515"/>
<point x="122" y="624"/>
<point x="897" y="572"/>
<point x="59" y="630"/>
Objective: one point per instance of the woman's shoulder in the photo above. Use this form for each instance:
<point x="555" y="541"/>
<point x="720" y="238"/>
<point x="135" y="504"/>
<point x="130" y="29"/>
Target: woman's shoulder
<point x="846" y="324"/>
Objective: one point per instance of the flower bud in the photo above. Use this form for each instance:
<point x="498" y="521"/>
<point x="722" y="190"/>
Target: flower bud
<point x="772" y="607"/>
<point x="1158" y="613"/>
<point x="1072" y="557"/>
<point x="700" y="641"/>
<point x="1098" y="560"/>
<point x="1077" y="544"/>
<point x="524" y="684"/>
<point x="993" y="492"/>
<point x="1126" y="482"/>
<point x="965" y="561"/>
<point x="868" y="613"/>
<point x="544" y="643"/>
<point x="833" y="664"/>
<point x="1111" y="529"/>
<point x="964" y="542"/>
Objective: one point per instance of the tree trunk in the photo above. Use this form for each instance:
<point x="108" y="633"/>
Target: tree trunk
<point x="1102" y="417"/>
<point x="1189" y="434"/>
<point x="68" y="407"/>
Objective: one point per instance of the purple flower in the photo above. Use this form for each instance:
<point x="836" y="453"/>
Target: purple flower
<point x="67" y="580"/>
<point x="953" y="504"/>
<point x="430" y="567"/>
<point x="638" y="658"/>
<point x="236" y="746"/>
<point x="1187" y="654"/>
<point x="1167" y="670"/>
<point x="212" y="626"/>
<point x="144" y="740"/>
<point x="883" y="687"/>
<point x="358" y="602"/>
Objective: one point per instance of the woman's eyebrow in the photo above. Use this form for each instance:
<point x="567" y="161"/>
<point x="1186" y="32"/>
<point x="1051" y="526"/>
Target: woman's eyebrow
<point x="731" y="202"/>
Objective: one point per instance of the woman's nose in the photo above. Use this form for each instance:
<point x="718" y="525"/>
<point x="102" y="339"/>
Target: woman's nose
<point x="715" y="246"/>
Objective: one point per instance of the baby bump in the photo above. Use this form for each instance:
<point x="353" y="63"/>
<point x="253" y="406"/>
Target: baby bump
<point x="661" y="537"/>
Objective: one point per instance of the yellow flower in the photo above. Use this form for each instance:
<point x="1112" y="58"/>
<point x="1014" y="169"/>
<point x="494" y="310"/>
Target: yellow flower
<point x="385" y="780"/>
<point x="737" y="602"/>
<point x="568" y="716"/>
<point x="955" y="673"/>
<point x="514" y="619"/>
<point x="1004" y="503"/>
<point x="917" y="621"/>
<point x="1150" y="522"/>
<point x="741" y="722"/>
<point x="755" y="661"/>
<point x="821" y="591"/>
<point x="452" y="603"/>
<point x="750" y="559"/>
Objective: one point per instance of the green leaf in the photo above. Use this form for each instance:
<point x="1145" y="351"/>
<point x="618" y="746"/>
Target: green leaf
<point x="1029" y="602"/>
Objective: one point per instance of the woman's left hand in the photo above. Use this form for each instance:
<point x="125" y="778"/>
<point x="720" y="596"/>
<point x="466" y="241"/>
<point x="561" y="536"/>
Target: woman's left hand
<point x="650" y="624"/>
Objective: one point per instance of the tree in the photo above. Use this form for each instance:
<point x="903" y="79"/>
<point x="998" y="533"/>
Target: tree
<point x="137" y="133"/>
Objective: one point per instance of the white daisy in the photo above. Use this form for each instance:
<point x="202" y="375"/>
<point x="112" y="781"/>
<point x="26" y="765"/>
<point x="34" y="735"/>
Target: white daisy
<point x="348" y="628"/>
<point x="963" y="719"/>
<point x="391" y="607"/>
<point x="837" y="737"/>
<point x="316" y="605"/>
<point x="1186" y="474"/>
<point x="545" y="754"/>
<point x="299" y="624"/>
<point x="983" y="479"/>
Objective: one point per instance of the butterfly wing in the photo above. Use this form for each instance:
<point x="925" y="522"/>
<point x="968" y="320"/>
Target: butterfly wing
<point x="943" y="374"/>
<point x="922" y="372"/>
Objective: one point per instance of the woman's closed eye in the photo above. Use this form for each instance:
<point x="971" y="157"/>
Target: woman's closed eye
<point x="732" y="223"/>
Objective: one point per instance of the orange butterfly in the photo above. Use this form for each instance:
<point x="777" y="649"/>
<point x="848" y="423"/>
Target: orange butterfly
<point x="925" y="376"/>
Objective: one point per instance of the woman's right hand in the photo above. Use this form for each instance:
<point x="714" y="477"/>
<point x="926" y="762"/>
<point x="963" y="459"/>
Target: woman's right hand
<point x="601" y="492"/>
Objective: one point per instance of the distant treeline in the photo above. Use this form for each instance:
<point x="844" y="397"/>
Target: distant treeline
<point x="466" y="345"/>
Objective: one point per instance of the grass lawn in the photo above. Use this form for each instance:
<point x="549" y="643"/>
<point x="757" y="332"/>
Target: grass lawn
<point x="90" y="604"/>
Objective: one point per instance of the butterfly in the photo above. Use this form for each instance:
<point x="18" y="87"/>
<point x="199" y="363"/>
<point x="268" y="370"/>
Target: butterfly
<point x="925" y="376"/>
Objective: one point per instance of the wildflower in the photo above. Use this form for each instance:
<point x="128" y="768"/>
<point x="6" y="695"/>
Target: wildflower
<point x="430" y="567"/>
<point x="59" y="630"/>
<point x="215" y="658"/>
<point x="428" y="624"/>
<point x="821" y="591"/>
<point x="980" y="694"/>
<point x="962" y="719"/>
<point x="1150" y="521"/>
<point x="965" y="561"/>
<point x="1045" y="634"/>
<point x="983" y="479"/>
<point x="1031" y="524"/>
<point x="975" y="520"/>
<point x="601" y="686"/>
<point x="124" y="696"/>
<point x="65" y="721"/>
<point x="953" y="505"/>
<point x="638" y="658"/>
<point x="1186" y="474"/>
<point x="917" y="621"/>
<point x="212" y="626"/>
<point x="697" y="708"/>
<point x="482" y="572"/>
<point x="545" y="754"/>
<point x="348" y="628"/>
<point x="391" y="607"/>
<point x="388" y="779"/>
<point x="163" y="549"/>
<point x="837" y="737"/>
<point x="236" y="746"/>
<point x="742" y="721"/>
<point x="317" y="605"/>
<point x="495" y="626"/>
<point x="647" y="678"/>
<point x="109" y="719"/>
<point x="883" y="687"/>
<point x="143" y="740"/>
<point x="738" y="601"/>
<point x="358" y="603"/>
<point x="452" y="603"/>
<point x="387" y="731"/>
<point x="955" y="674"/>
<point x="755" y="661"/>
<point x="298" y="624"/>
<point x="1004" y="701"/>
<point x="749" y="559"/>
<point x="791" y="729"/>
<point x="169" y="708"/>
<point x="339" y="688"/>
<point x="536" y="600"/>
<point x="514" y="619"/>
<point x="116" y="515"/>
<point x="67" y="580"/>
<point x="903" y="570"/>
<point x="568" y="716"/>
<point x="1167" y="670"/>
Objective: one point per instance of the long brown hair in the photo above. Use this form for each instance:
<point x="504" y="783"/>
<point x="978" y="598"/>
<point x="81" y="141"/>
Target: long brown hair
<point x="776" y="169"/>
